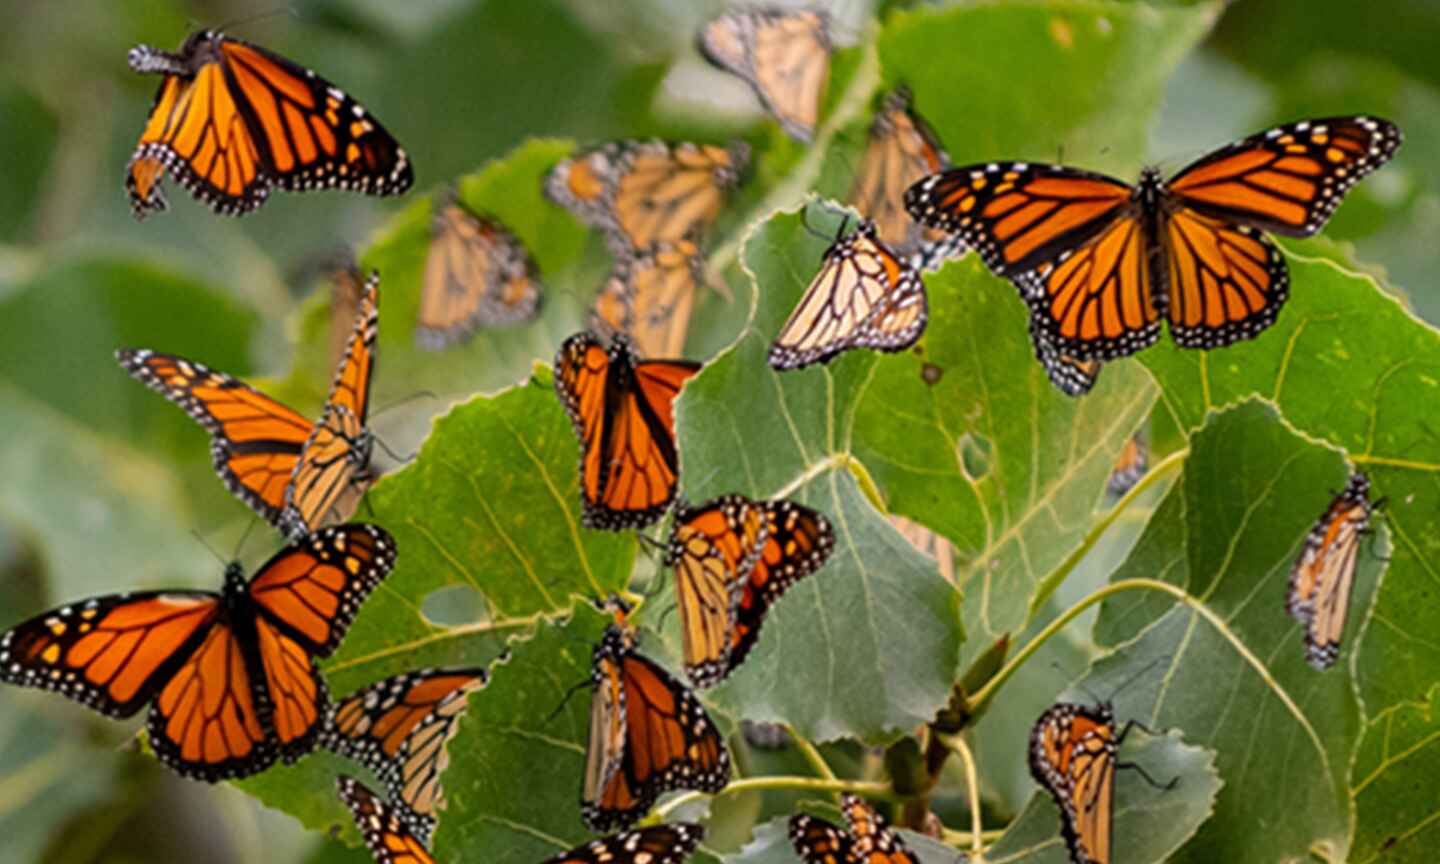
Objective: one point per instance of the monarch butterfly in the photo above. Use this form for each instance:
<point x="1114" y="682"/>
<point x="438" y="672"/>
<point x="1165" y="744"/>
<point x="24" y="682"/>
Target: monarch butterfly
<point x="649" y="298"/>
<point x="643" y="193"/>
<point x="869" y="840"/>
<point x="783" y="54"/>
<point x="1133" y="462"/>
<point x="733" y="559"/>
<point x="902" y="148"/>
<point x="1073" y="755"/>
<point x="399" y="728"/>
<point x="391" y="841"/>
<point x="648" y="735"/>
<point x="477" y="274"/>
<point x="231" y="120"/>
<point x="863" y="297"/>
<point x="230" y="676"/>
<point x="264" y="451"/>
<point x="622" y="411"/>
<point x="1100" y="262"/>
<point x="1324" y="575"/>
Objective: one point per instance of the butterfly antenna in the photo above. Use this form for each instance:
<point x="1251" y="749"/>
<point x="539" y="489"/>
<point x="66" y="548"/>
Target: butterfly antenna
<point x="1132" y="679"/>
<point x="563" y="702"/>
<point x="392" y="454"/>
<point x="1135" y="766"/>
<point x="419" y="394"/>
<point x="260" y="16"/>
<point x="209" y="548"/>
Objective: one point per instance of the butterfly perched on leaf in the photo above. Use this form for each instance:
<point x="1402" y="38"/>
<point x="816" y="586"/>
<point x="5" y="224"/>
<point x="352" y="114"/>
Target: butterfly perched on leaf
<point x="1101" y="262"/>
<point x="865" y="296"/>
<point x="295" y="474"/>
<point x="623" y="413"/>
<point x="229" y="676"/>
<point x="868" y="840"/>
<point x="901" y="149"/>
<point x="1073" y="755"/>
<point x="477" y="274"/>
<point x="1323" y="577"/>
<point x="783" y="54"/>
<point x="648" y="735"/>
<point x="231" y="120"/>
<point x="644" y="193"/>
<point x="733" y="559"/>
<point x="399" y="728"/>
<point x="649" y="297"/>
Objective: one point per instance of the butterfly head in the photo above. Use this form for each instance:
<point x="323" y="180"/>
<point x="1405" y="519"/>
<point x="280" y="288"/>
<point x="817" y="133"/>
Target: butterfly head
<point x="1150" y="186"/>
<point x="235" y="582"/>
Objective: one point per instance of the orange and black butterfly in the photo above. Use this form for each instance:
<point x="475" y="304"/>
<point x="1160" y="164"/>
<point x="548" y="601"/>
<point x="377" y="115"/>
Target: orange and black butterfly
<point x="399" y="728"/>
<point x="902" y="149"/>
<point x="644" y="193"/>
<point x="1133" y="462"/>
<point x="783" y="54"/>
<point x="649" y="297"/>
<point x="648" y="735"/>
<point x="733" y="559"/>
<point x="1323" y="577"/>
<point x="1100" y="262"/>
<point x="231" y="120"/>
<point x="230" y="676"/>
<point x="296" y="474"/>
<point x="390" y="838"/>
<point x="477" y="274"/>
<point x="622" y="410"/>
<point x="1074" y="755"/>
<point x="869" y="839"/>
<point x="864" y="296"/>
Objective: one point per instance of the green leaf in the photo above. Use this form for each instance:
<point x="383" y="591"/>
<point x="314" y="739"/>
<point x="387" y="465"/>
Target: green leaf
<point x="1348" y="365"/>
<point x="1227" y="534"/>
<point x="1395" y="765"/>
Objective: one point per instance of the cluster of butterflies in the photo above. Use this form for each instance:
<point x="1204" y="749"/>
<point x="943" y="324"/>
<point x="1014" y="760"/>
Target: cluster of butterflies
<point x="230" y="676"/>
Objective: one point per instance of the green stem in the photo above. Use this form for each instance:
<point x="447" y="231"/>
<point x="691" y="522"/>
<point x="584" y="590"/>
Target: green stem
<point x="874" y="789"/>
<point x="811" y="754"/>
<point x="972" y="782"/>
<point x="1051" y="582"/>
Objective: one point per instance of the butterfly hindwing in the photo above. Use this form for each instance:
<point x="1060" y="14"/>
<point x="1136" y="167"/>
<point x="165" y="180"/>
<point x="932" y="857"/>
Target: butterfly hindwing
<point x="386" y="834"/>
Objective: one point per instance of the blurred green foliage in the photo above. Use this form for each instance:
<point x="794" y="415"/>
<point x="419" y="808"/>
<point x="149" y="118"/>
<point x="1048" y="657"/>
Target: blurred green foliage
<point x="105" y="482"/>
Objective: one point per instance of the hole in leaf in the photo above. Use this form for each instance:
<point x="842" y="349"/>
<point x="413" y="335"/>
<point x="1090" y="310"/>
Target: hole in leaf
<point x="975" y="454"/>
<point x="454" y="605"/>
<point x="930" y="373"/>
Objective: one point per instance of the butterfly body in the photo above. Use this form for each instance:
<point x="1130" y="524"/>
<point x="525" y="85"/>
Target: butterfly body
<point x="1101" y="263"/>
<point x="231" y="120"/>
<point x="230" y="676"/>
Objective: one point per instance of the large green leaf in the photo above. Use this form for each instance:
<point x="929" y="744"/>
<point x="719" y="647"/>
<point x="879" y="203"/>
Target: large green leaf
<point x="1394" y="770"/>
<point x="1227" y="534"/>
<point x="1349" y="365"/>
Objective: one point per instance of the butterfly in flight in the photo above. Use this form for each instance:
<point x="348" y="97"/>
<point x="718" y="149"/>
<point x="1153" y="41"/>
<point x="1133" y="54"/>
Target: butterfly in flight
<point x="869" y="839"/>
<point x="1074" y="752"/>
<point x="231" y="120"/>
<point x="399" y="728"/>
<point x="644" y="193"/>
<point x="1323" y="577"/>
<point x="1101" y="262"/>
<point x="230" y="676"/>
<point x="649" y="298"/>
<point x="648" y="735"/>
<point x="733" y="559"/>
<point x="783" y="54"/>
<point x="295" y="474"/>
<point x="477" y="274"/>
<point x="391" y="842"/>
<point x="622" y="410"/>
<point x="902" y="148"/>
<point x="865" y="296"/>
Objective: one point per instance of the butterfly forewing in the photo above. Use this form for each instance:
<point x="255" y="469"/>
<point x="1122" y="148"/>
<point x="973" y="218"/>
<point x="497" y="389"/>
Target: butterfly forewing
<point x="784" y="55"/>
